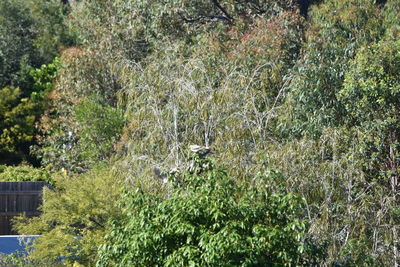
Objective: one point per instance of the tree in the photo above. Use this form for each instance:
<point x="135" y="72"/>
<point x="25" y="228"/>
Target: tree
<point x="17" y="35"/>
<point x="31" y="34"/>
<point x="371" y="95"/>
<point x="337" y="29"/>
<point x="51" y="24"/>
<point x="82" y="123"/>
<point x="74" y="217"/>
<point x="19" y="113"/>
<point x="206" y="219"/>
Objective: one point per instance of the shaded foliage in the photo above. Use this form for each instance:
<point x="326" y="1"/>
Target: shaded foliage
<point x="31" y="34"/>
<point x="19" y="114"/>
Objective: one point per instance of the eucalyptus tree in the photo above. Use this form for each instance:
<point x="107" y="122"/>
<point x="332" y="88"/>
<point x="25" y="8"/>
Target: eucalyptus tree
<point x="337" y="29"/>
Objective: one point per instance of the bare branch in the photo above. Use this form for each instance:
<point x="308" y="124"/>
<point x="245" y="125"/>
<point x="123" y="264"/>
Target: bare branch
<point x="204" y="17"/>
<point x="223" y="10"/>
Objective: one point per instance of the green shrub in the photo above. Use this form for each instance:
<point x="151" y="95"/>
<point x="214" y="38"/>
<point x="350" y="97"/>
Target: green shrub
<point x="206" y="219"/>
<point x="101" y="127"/>
<point x="74" y="217"/>
<point x="24" y="173"/>
<point x="22" y="260"/>
<point x="20" y="111"/>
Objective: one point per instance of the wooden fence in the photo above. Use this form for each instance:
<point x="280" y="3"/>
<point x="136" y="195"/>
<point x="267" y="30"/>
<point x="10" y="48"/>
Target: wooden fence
<point x="17" y="198"/>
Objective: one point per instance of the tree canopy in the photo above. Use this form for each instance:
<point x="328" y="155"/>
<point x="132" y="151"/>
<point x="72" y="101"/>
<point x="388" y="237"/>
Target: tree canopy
<point x="295" y="102"/>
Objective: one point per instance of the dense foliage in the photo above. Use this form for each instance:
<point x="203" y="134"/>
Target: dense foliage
<point x="75" y="217"/>
<point x="23" y="173"/>
<point x="19" y="113"/>
<point x="307" y="88"/>
<point x="31" y="34"/>
<point x="207" y="219"/>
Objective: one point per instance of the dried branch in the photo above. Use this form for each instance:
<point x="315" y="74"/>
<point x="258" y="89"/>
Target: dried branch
<point x="203" y="17"/>
<point x="223" y="10"/>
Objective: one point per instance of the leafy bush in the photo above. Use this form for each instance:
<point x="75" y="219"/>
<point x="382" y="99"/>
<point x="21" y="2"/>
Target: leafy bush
<point x="207" y="219"/>
<point x="19" y="111"/>
<point x="24" y="173"/>
<point x="74" y="217"/>
<point x="22" y="260"/>
<point x="82" y="115"/>
<point x="101" y="127"/>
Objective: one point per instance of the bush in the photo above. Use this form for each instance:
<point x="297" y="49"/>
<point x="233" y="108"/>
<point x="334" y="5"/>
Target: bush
<point x="21" y="260"/>
<point x="82" y="114"/>
<point x="23" y="173"/>
<point x="20" y="111"/>
<point x="101" y="126"/>
<point x="74" y="218"/>
<point x="206" y="219"/>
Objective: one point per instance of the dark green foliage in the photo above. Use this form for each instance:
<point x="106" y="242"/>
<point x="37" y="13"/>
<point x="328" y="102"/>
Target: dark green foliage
<point x="17" y="35"/>
<point x="32" y="32"/>
<point x="20" y="112"/>
<point x="207" y="219"/>
<point x="53" y="34"/>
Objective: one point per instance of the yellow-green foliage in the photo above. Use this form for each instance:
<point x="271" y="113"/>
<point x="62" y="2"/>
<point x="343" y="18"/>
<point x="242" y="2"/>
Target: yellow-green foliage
<point x="74" y="218"/>
<point x="24" y="173"/>
<point x="20" y="111"/>
<point x="392" y="14"/>
<point x="17" y="120"/>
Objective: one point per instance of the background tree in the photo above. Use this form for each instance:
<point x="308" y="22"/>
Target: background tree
<point x="370" y="95"/>
<point x="337" y="29"/>
<point x="31" y="34"/>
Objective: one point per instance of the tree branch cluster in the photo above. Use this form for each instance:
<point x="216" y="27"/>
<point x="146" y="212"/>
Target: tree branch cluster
<point x="224" y="15"/>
